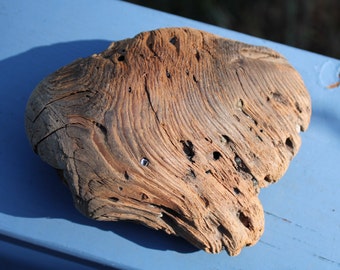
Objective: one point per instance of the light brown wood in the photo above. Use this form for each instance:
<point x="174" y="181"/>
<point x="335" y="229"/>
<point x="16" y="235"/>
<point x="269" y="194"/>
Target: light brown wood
<point x="176" y="129"/>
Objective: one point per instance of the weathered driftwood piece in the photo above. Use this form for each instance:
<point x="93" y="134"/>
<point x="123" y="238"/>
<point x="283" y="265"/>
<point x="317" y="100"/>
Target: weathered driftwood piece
<point x="176" y="129"/>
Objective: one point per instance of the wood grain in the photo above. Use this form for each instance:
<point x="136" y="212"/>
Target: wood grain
<point x="176" y="129"/>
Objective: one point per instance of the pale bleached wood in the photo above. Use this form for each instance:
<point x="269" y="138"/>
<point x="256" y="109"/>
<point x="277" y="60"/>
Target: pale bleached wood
<point x="176" y="129"/>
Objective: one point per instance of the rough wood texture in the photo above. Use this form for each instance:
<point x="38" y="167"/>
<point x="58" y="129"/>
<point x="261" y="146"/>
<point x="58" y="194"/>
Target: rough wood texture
<point x="176" y="129"/>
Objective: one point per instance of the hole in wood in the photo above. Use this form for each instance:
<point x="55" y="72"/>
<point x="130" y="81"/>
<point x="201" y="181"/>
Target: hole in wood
<point x="173" y="40"/>
<point x="198" y="57"/>
<point x="192" y="173"/>
<point x="144" y="197"/>
<point x="102" y="128"/>
<point x="113" y="199"/>
<point x="226" y="139"/>
<point x="240" y="165"/>
<point x="289" y="144"/>
<point x="268" y="179"/>
<point x="144" y="162"/>
<point x="216" y="155"/>
<point x="188" y="149"/>
<point x="236" y="191"/>
<point x="245" y="220"/>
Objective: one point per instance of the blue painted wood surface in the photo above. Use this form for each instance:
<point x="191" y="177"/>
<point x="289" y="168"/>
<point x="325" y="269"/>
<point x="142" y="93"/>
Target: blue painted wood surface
<point x="302" y="210"/>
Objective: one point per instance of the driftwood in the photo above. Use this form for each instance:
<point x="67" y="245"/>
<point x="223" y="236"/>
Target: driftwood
<point x="176" y="129"/>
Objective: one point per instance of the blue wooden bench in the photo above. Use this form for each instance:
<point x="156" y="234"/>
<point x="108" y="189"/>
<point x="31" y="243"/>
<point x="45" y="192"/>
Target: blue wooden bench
<point x="40" y="229"/>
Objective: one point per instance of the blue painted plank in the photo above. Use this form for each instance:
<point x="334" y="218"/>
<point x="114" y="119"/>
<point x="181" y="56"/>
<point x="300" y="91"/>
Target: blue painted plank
<point x="19" y="255"/>
<point x="302" y="210"/>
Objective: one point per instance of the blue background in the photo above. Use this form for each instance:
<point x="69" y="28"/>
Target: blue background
<point x="39" y="226"/>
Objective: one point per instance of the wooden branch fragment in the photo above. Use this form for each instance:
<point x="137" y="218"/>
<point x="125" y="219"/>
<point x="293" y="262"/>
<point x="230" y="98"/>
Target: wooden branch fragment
<point x="176" y="129"/>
